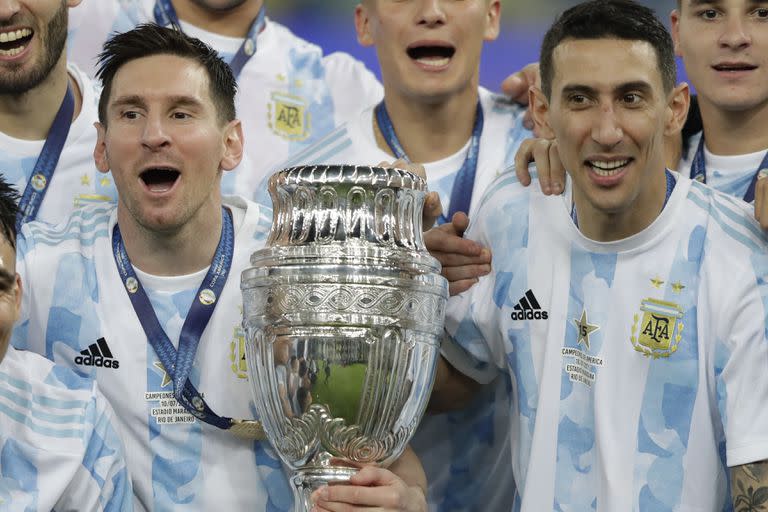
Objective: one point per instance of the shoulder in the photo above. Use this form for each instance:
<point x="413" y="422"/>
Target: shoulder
<point x="82" y="229"/>
<point x="494" y="103"/>
<point x="288" y="41"/>
<point x="725" y="230"/>
<point x="41" y="390"/>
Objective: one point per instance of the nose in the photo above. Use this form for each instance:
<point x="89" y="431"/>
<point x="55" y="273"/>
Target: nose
<point x="431" y="13"/>
<point x="8" y="9"/>
<point x="607" y="130"/>
<point x="155" y="135"/>
<point x="735" y="33"/>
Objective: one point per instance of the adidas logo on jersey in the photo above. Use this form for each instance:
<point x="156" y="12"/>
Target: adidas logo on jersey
<point x="528" y="308"/>
<point x="99" y="355"/>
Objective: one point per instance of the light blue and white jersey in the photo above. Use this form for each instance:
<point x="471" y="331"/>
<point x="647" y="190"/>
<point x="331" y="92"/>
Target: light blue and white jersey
<point x="75" y="181"/>
<point x="79" y="310"/>
<point x="638" y="366"/>
<point x="454" y="448"/>
<point x="59" y="449"/>
<point x="355" y="142"/>
<point x="290" y="94"/>
<point x="730" y="174"/>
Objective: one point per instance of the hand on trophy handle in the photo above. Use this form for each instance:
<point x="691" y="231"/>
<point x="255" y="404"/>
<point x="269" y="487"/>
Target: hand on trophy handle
<point x="463" y="260"/>
<point x="433" y="208"/>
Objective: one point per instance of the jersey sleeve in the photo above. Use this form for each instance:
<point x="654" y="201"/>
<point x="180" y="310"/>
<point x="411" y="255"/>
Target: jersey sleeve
<point x="352" y="85"/>
<point x="741" y="360"/>
<point x="102" y="482"/>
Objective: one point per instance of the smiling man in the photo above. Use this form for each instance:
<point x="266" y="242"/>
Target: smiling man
<point x="644" y="389"/>
<point x="435" y="113"/>
<point x="150" y="285"/>
<point x="47" y="111"/>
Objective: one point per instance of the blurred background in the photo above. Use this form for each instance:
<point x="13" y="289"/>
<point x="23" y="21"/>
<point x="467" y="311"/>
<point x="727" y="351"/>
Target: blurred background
<point x="330" y="24"/>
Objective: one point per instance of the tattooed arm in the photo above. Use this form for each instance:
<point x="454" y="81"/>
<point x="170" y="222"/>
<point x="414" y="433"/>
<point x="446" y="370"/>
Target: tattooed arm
<point x="749" y="487"/>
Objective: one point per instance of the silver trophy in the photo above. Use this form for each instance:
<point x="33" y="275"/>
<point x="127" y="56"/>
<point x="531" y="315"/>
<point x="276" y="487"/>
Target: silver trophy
<point x="343" y="314"/>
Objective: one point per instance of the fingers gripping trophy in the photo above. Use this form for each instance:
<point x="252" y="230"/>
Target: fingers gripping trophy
<point x="343" y="313"/>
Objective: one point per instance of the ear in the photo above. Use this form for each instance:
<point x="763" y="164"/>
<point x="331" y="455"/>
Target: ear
<point x="73" y="3"/>
<point x="100" y="151"/>
<point x="233" y="145"/>
<point x="677" y="106"/>
<point x="363" y="25"/>
<point x="539" y="106"/>
<point x="674" y="18"/>
<point x="493" y="22"/>
<point x="19" y="292"/>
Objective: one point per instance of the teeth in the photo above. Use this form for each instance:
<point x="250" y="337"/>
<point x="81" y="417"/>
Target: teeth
<point x="11" y="52"/>
<point x="434" y="61"/>
<point x="9" y="37"/>
<point x="603" y="168"/>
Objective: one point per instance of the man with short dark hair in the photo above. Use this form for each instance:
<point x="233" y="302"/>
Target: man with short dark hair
<point x="645" y="385"/>
<point x="59" y="446"/>
<point x="144" y="295"/>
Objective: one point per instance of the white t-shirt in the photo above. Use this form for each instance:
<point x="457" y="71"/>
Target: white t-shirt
<point x="290" y="94"/>
<point x="58" y="445"/>
<point x="729" y="174"/>
<point x="79" y="307"/>
<point x="75" y="181"/>
<point x="639" y="369"/>
<point x="454" y="448"/>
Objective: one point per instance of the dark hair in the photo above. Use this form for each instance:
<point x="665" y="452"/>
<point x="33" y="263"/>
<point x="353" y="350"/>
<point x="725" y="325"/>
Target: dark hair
<point x="603" y="19"/>
<point x="150" y="39"/>
<point x="9" y="210"/>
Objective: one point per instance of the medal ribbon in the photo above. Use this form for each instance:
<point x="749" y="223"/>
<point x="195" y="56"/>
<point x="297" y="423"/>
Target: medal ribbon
<point x="461" y="193"/>
<point x="165" y="15"/>
<point x="699" y="170"/>
<point x="46" y="163"/>
<point x="178" y="364"/>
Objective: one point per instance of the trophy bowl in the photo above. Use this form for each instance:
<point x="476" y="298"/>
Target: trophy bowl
<point x="343" y="312"/>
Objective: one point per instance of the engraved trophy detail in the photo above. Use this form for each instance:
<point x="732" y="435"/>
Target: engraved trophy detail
<point x="343" y="314"/>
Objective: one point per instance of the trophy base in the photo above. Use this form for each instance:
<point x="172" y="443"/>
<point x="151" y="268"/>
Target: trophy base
<point x="305" y="481"/>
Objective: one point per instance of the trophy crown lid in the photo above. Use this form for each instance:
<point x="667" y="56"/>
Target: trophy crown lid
<point x="390" y="177"/>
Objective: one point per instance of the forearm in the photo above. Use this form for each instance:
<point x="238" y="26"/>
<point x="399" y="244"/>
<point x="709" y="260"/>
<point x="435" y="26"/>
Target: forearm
<point x="452" y="389"/>
<point x="408" y="467"/>
<point x="749" y="486"/>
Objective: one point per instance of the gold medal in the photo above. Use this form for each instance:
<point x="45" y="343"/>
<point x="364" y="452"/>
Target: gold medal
<point x="248" y="429"/>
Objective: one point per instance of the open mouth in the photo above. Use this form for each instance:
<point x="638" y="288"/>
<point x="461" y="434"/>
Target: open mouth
<point x="160" y="179"/>
<point x="606" y="168"/>
<point x="734" y="67"/>
<point x="13" y="42"/>
<point x="431" y="55"/>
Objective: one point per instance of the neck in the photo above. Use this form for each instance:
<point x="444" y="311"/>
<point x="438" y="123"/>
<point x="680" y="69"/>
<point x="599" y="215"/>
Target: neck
<point x="233" y="22"/>
<point x="171" y="253"/>
<point x="734" y="132"/>
<point x="597" y="224"/>
<point x="29" y="115"/>
<point x="430" y="131"/>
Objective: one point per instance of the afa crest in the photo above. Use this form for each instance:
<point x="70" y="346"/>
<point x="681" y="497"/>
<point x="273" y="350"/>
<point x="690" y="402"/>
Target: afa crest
<point x="659" y="331"/>
<point x="237" y="354"/>
<point x="288" y="116"/>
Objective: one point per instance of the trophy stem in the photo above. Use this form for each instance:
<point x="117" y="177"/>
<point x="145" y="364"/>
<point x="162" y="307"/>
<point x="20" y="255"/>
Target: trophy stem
<point x="306" y="480"/>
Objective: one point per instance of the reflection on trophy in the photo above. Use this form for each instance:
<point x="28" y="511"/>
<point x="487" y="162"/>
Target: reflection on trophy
<point x="343" y="313"/>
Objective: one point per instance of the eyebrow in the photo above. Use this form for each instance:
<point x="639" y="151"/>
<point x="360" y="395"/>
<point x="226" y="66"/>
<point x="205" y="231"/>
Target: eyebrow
<point x="175" y="100"/>
<point x="699" y="3"/>
<point x="637" y="85"/>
